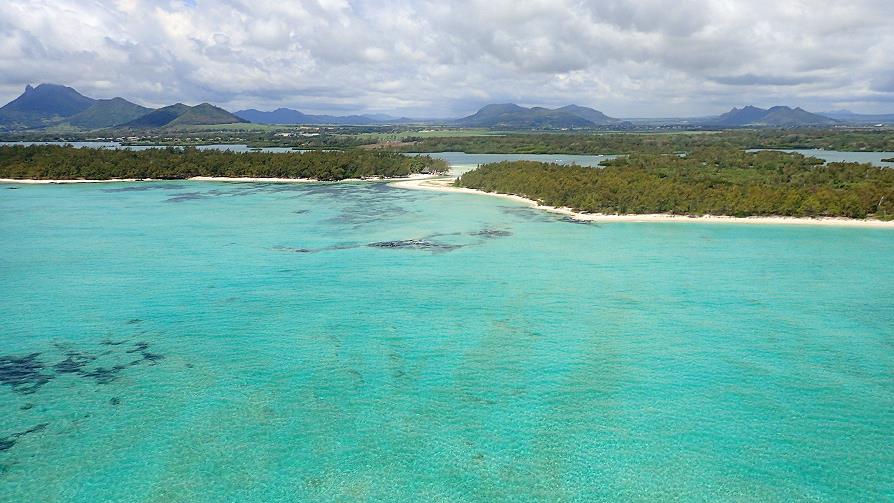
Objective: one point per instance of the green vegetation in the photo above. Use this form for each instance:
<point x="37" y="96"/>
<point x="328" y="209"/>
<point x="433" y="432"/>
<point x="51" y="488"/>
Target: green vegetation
<point x="407" y="134"/>
<point x="709" y="181"/>
<point x="235" y="127"/>
<point x="50" y="162"/>
<point x="442" y="139"/>
<point x="628" y="143"/>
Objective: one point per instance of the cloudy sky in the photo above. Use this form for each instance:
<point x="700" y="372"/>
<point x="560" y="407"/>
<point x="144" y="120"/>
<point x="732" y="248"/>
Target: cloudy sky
<point x="628" y="58"/>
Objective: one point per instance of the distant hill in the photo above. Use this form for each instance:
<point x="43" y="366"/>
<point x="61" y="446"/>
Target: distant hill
<point x="43" y="105"/>
<point x="108" y="113"/>
<point x="851" y="118"/>
<point x="183" y="115"/>
<point x="741" y="117"/>
<point x="204" y="114"/>
<point x="594" y="116"/>
<point x="158" y="118"/>
<point x="510" y="115"/>
<point x="779" y="116"/>
<point x="290" y="116"/>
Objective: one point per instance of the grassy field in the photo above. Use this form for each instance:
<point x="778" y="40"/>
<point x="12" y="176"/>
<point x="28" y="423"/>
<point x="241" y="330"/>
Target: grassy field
<point x="232" y="128"/>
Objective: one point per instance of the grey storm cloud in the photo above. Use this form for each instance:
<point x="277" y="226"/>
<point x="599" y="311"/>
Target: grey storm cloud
<point x="435" y="58"/>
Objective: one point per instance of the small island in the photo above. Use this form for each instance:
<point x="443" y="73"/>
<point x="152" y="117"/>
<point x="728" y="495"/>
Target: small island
<point x="716" y="182"/>
<point x="890" y="159"/>
<point x="54" y="162"/>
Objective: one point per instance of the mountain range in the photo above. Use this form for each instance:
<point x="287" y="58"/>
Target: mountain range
<point x="56" y="106"/>
<point x="778" y="116"/>
<point x="510" y="115"/>
<point x="513" y="116"/>
<point x="51" y="105"/>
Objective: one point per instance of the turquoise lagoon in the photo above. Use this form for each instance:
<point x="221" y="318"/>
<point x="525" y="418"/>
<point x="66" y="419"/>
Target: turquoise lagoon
<point x="187" y="341"/>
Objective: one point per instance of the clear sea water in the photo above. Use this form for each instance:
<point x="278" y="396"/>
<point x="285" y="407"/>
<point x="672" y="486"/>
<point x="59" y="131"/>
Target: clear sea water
<point x="188" y="341"/>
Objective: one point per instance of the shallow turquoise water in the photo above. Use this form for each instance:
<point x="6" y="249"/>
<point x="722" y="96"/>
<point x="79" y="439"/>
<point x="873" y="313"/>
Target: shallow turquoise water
<point x="235" y="342"/>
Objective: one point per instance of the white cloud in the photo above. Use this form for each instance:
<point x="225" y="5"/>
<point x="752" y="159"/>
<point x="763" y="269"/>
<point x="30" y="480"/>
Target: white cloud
<point x="428" y="57"/>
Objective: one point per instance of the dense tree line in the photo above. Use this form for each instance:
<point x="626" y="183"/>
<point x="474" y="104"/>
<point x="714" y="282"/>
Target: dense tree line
<point x="628" y="143"/>
<point x="64" y="163"/>
<point x="710" y="181"/>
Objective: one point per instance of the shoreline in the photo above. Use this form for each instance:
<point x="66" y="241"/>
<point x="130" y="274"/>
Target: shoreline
<point x="444" y="185"/>
<point x="439" y="183"/>
<point x="237" y="179"/>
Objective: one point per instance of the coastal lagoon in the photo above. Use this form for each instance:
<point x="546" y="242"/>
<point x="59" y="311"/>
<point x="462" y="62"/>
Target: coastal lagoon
<point x="461" y="162"/>
<point x="874" y="158"/>
<point x="193" y="341"/>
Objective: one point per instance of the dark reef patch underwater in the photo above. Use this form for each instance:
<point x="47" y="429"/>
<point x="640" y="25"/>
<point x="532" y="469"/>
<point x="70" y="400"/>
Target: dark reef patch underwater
<point x="491" y="233"/>
<point x="428" y="243"/>
<point x="23" y="373"/>
<point x="27" y="374"/>
<point x="8" y="442"/>
<point x="416" y="244"/>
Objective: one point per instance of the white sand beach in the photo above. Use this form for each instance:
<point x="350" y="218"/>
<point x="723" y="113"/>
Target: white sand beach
<point x="445" y="185"/>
